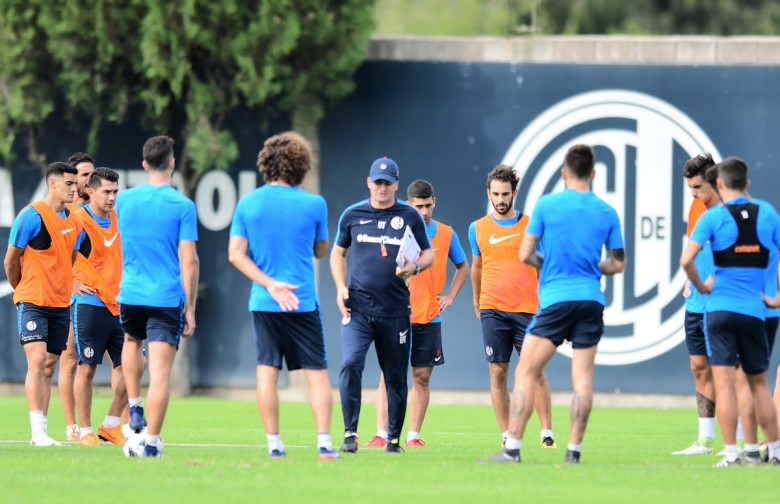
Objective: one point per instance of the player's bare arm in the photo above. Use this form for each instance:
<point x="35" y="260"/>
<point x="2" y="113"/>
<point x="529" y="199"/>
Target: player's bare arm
<point x="281" y="292"/>
<point x="775" y="301"/>
<point x="614" y="263"/>
<point x="190" y="274"/>
<point x="476" y="281"/>
<point x="692" y="249"/>
<point x="338" y="269"/>
<point x="461" y="273"/>
<point x="320" y="248"/>
<point x="13" y="265"/>
<point x="528" y="253"/>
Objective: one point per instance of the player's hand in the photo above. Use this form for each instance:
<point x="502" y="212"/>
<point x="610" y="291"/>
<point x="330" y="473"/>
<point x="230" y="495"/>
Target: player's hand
<point x="708" y="284"/>
<point x="284" y="296"/>
<point x="189" y="324"/>
<point x="687" y="289"/>
<point x="341" y="299"/>
<point x="771" y="302"/>
<point x="476" y="310"/>
<point x="444" y="303"/>
<point x="407" y="271"/>
<point x="83" y="289"/>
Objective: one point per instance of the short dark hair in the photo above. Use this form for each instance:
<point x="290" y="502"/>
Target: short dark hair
<point x="504" y="173"/>
<point x="580" y="160"/>
<point x="734" y="173"/>
<point x="420" y="189"/>
<point x="158" y="152"/>
<point x="285" y="157"/>
<point x="698" y="165"/>
<point x="58" y="169"/>
<point x="100" y="174"/>
<point x="77" y="158"/>
<point x="711" y="175"/>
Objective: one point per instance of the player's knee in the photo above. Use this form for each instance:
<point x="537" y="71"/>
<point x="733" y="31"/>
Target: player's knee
<point x="421" y="380"/>
<point x="699" y="371"/>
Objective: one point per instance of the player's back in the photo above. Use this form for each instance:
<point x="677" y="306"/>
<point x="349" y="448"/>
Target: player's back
<point x="152" y="221"/>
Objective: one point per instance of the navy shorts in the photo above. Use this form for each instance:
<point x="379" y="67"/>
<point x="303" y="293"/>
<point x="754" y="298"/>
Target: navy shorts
<point x="152" y="323"/>
<point x="501" y="331"/>
<point x="95" y="331"/>
<point x="771" y="331"/>
<point x="733" y="338"/>
<point x="296" y="337"/>
<point x="43" y="323"/>
<point x="694" y="333"/>
<point x="581" y="322"/>
<point x="426" y="345"/>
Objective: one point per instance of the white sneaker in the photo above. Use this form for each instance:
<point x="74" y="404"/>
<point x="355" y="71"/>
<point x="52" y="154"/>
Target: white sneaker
<point x="724" y="462"/>
<point x="722" y="453"/>
<point x="695" y="449"/>
<point x="41" y="439"/>
<point x="126" y="430"/>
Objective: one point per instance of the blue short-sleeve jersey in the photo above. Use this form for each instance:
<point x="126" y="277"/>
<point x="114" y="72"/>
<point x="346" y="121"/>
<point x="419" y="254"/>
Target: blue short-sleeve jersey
<point x="697" y="302"/>
<point x="573" y="227"/>
<point x="152" y="221"/>
<point x="737" y="289"/>
<point x="27" y="226"/>
<point x="374" y="287"/>
<point x="281" y="225"/>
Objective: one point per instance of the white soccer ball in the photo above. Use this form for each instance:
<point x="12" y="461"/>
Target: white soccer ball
<point x="135" y="444"/>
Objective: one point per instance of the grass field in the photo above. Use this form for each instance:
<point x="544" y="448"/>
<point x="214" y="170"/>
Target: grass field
<point x="626" y="458"/>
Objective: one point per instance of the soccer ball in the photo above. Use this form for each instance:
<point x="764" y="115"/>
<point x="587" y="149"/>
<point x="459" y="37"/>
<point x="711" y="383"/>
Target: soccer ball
<point x="135" y="444"/>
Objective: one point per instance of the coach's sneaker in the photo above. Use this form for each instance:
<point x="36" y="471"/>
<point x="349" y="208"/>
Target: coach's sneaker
<point x="503" y="457"/>
<point x="572" y="457"/>
<point x="701" y="447"/>
<point x="152" y="451"/>
<point x="393" y="446"/>
<point x="137" y="421"/>
<point x="350" y="444"/>
<point x="113" y="435"/>
<point x="376" y="442"/>
<point x="72" y="433"/>
<point x="328" y="453"/>
<point x="548" y="442"/>
<point x="89" y="439"/>
<point x="277" y="454"/>
<point x="415" y="443"/>
<point x="42" y="439"/>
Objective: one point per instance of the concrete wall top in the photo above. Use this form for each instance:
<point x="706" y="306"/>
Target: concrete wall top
<point x="637" y="50"/>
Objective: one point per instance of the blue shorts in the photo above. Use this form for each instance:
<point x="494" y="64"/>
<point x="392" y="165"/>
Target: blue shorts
<point x="581" y="322"/>
<point x="694" y="333"/>
<point x="426" y="345"/>
<point x="95" y="331"/>
<point x="296" y="337"/>
<point x="733" y="338"/>
<point x="501" y="331"/>
<point x="771" y="331"/>
<point x="152" y="323"/>
<point x="43" y="323"/>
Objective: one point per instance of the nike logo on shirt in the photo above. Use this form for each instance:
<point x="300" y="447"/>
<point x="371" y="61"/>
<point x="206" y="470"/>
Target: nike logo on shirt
<point x="493" y="240"/>
<point x="110" y="242"/>
<point x="365" y="221"/>
<point x="66" y="231"/>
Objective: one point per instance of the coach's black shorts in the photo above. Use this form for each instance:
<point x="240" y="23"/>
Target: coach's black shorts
<point x="501" y="331"/>
<point x="296" y="337"/>
<point x="733" y="338"/>
<point x="43" y="323"/>
<point x="771" y="332"/>
<point x="153" y="323"/>
<point x="581" y="322"/>
<point x="96" y="330"/>
<point x="694" y="333"/>
<point x="426" y="345"/>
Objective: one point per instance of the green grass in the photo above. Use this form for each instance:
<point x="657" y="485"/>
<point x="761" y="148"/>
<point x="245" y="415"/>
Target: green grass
<point x="626" y="458"/>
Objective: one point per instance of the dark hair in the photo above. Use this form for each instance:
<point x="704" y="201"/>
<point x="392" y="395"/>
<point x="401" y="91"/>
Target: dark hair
<point x="158" y="152"/>
<point x="77" y="158"/>
<point x="285" y="157"/>
<point x="579" y="160"/>
<point x="58" y="169"/>
<point x="698" y="165"/>
<point x="711" y="175"/>
<point x="734" y="173"/>
<point x="100" y="174"/>
<point x="504" y="173"/>
<point x="421" y="189"/>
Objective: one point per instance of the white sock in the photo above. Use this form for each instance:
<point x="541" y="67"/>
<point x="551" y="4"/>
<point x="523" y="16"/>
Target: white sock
<point x="706" y="428"/>
<point x="324" y="441"/>
<point x="740" y="430"/>
<point x="751" y="448"/>
<point x="774" y="449"/>
<point x="274" y="442"/>
<point x="153" y="440"/>
<point x="111" y="421"/>
<point x="574" y="447"/>
<point x="512" y="443"/>
<point x="37" y="422"/>
<point x="411" y="435"/>
<point x="732" y="452"/>
<point x="546" y="433"/>
<point x="45" y="424"/>
<point x="382" y="433"/>
<point x="134" y="402"/>
<point x="84" y="431"/>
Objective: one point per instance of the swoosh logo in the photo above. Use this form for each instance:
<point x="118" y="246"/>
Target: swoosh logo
<point x="437" y="359"/>
<point x="66" y="231"/>
<point x="110" y="242"/>
<point x="365" y="221"/>
<point x="493" y="240"/>
<point x="403" y="333"/>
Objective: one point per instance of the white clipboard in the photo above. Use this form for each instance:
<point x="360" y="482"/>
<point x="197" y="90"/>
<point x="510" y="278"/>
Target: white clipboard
<point x="409" y="250"/>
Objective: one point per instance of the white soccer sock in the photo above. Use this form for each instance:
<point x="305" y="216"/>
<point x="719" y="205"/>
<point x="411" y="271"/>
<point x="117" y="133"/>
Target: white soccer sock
<point x="411" y="436"/>
<point x="111" y="421"/>
<point x="546" y="433"/>
<point x="774" y="449"/>
<point x="136" y="401"/>
<point x="706" y="428"/>
<point x="574" y="447"/>
<point x="153" y="440"/>
<point x="37" y="422"/>
<point x="513" y="444"/>
<point x="382" y="433"/>
<point x="84" y="431"/>
<point x="324" y="441"/>
<point x="732" y="452"/>
<point x="274" y="442"/>
<point x="740" y="430"/>
<point x="45" y="424"/>
<point x="751" y="448"/>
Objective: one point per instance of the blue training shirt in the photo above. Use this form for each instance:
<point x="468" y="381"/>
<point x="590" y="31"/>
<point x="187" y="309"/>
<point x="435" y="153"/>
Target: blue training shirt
<point x="697" y="302"/>
<point x="281" y="224"/>
<point x="91" y="299"/>
<point x="152" y="221"/>
<point x="27" y="226"/>
<point x="573" y="227"/>
<point x="456" y="254"/>
<point x="374" y="288"/>
<point x="738" y="289"/>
